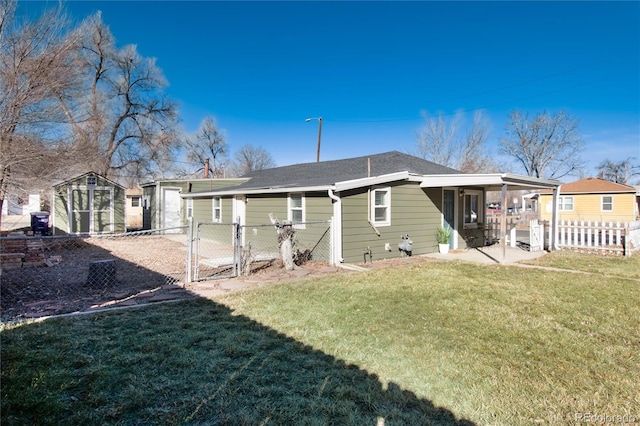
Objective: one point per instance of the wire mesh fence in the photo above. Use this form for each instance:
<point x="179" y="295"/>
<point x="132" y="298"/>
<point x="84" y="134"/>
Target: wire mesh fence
<point x="226" y="250"/>
<point x="52" y="275"/>
<point x="43" y="276"/>
<point x="261" y="245"/>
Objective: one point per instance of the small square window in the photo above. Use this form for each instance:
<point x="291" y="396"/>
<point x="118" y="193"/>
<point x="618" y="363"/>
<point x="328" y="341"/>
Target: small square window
<point x="607" y="203"/>
<point x="135" y="201"/>
<point x="92" y="180"/>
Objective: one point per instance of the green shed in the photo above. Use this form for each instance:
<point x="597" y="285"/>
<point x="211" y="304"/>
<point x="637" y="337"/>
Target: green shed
<point x="88" y="204"/>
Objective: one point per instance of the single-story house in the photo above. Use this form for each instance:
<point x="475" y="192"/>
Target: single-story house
<point x="87" y="204"/>
<point x="162" y="206"/>
<point x="592" y="199"/>
<point x="372" y="201"/>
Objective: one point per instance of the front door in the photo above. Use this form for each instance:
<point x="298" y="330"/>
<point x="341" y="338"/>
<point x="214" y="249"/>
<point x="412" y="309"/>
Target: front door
<point x="449" y="212"/>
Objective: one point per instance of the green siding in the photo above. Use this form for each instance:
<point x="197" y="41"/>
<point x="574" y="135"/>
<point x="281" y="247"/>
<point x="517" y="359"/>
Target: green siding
<point x="227" y="210"/>
<point x="414" y="211"/>
<point x="202" y="210"/>
<point x="154" y="190"/>
<point x="317" y="206"/>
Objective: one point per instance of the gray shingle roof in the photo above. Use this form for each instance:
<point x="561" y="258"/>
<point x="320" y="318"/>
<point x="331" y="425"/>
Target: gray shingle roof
<point x="330" y="172"/>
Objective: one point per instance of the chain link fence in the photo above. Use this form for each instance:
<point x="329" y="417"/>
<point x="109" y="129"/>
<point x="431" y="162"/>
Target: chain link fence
<point x="52" y="275"/>
<point x="44" y="276"/>
<point x="226" y="250"/>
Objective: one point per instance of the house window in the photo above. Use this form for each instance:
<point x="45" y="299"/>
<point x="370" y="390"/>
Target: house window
<point x="135" y="201"/>
<point x="296" y="208"/>
<point x="381" y="207"/>
<point x="92" y="180"/>
<point x="217" y="209"/>
<point x="189" y="207"/>
<point x="471" y="203"/>
<point x="565" y="203"/>
<point x="607" y="203"/>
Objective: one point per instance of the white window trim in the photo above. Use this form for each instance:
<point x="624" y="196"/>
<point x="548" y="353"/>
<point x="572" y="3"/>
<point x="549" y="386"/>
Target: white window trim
<point x="189" y="207"/>
<point x="561" y="203"/>
<point x="303" y="208"/>
<point x="214" y="208"/>
<point x="602" y="204"/>
<point x="372" y="207"/>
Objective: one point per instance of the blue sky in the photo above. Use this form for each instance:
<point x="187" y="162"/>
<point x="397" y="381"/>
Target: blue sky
<point x="371" y="68"/>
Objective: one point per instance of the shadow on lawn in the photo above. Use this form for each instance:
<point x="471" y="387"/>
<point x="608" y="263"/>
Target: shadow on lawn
<point x="192" y="362"/>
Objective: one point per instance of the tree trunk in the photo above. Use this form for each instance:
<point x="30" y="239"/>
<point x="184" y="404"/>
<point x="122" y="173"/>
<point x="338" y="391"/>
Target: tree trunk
<point x="285" y="235"/>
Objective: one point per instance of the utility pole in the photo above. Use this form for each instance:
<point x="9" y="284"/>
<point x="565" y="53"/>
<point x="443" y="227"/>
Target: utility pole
<point x="319" y="135"/>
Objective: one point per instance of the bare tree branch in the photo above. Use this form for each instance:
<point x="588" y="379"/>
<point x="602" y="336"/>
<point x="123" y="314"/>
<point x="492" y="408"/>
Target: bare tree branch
<point x="548" y="146"/>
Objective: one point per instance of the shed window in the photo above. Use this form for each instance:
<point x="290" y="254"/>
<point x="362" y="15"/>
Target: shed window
<point x="135" y="201"/>
<point x="381" y="206"/>
<point x="92" y="180"/>
<point x="217" y="209"/>
<point x="296" y="208"/>
<point x="607" y="203"/>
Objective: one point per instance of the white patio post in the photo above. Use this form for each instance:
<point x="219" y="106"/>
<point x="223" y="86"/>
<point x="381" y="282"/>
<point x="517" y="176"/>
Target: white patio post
<point x="553" y="238"/>
<point x="503" y="224"/>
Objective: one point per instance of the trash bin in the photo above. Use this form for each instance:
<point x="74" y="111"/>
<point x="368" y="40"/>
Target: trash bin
<point x="40" y="222"/>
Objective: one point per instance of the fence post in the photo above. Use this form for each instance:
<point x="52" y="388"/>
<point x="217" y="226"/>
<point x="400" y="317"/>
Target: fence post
<point x="189" y="251"/>
<point x="237" y="248"/>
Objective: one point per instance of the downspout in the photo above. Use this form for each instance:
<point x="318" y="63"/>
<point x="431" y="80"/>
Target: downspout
<point x="369" y="199"/>
<point x="337" y="227"/>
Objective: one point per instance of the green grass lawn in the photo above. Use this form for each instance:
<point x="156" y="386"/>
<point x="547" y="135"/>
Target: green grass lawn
<point x="430" y="343"/>
<point x="605" y="265"/>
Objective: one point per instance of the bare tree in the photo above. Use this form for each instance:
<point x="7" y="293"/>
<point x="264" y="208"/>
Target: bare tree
<point x="123" y="125"/>
<point x="38" y="66"/>
<point x="250" y="158"/>
<point x="547" y="146"/>
<point x="209" y="144"/>
<point x="618" y="172"/>
<point x="444" y="142"/>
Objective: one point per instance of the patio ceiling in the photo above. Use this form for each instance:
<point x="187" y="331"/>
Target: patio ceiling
<point x="490" y="181"/>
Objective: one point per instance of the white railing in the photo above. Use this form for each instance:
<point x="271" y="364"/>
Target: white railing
<point x="608" y="237"/>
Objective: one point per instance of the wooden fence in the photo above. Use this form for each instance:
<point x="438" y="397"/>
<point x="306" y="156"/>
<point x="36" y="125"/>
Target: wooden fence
<point x="604" y="237"/>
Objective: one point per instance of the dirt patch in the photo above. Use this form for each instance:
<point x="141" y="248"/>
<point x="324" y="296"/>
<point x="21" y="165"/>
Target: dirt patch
<point x="143" y="265"/>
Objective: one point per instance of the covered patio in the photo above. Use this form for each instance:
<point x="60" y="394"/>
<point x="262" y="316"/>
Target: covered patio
<point x="502" y="182"/>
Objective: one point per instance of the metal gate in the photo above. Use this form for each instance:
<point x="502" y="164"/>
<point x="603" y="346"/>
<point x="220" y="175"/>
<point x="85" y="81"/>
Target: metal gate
<point x="215" y="251"/>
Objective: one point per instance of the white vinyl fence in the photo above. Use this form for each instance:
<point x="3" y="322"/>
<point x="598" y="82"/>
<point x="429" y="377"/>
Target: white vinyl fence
<point x="605" y="237"/>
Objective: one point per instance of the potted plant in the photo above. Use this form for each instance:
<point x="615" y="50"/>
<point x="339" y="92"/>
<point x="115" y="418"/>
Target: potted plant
<point x="443" y="235"/>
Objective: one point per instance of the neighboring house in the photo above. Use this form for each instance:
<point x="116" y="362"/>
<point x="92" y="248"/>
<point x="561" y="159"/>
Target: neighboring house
<point x="592" y="199"/>
<point x="133" y="209"/>
<point x="373" y="201"/>
<point x="88" y="204"/>
<point x="162" y="205"/>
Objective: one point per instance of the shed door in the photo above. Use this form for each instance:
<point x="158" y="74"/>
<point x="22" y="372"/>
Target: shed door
<point x="91" y="210"/>
<point x="80" y="217"/>
<point x="171" y="208"/>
